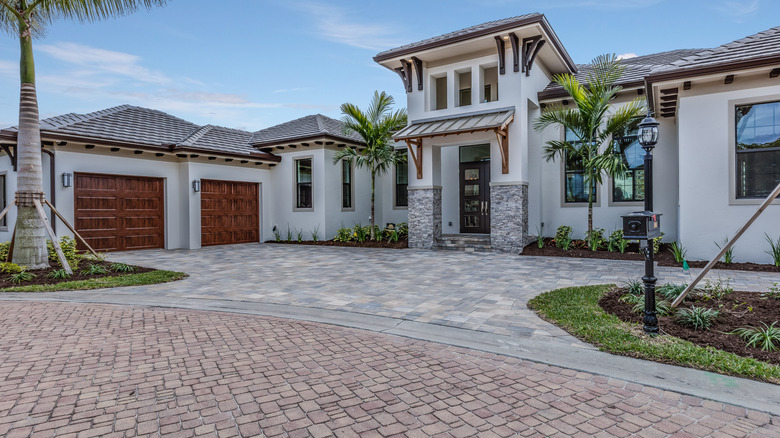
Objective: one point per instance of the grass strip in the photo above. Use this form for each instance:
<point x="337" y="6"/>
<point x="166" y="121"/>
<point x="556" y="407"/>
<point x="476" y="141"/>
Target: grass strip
<point x="576" y="310"/>
<point x="152" y="277"/>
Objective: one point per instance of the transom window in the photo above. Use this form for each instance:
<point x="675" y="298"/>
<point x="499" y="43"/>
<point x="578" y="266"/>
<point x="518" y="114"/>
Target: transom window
<point x="303" y="183"/>
<point x="758" y="149"/>
<point x="575" y="189"/>
<point x="631" y="185"/>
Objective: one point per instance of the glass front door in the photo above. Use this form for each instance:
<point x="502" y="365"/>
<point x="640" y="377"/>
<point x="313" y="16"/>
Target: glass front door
<point x="475" y="197"/>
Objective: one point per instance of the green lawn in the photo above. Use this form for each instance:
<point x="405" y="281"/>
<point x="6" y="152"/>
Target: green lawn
<point x="152" y="277"/>
<point x="576" y="310"/>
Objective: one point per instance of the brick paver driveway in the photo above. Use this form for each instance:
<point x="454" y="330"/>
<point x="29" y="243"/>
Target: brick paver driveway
<point x="96" y="370"/>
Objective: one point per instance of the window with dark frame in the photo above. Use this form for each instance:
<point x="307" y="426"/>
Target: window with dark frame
<point x="629" y="187"/>
<point x="4" y="221"/>
<point x="303" y="183"/>
<point x="575" y="189"/>
<point x="757" y="149"/>
<point x="402" y="184"/>
<point x="346" y="184"/>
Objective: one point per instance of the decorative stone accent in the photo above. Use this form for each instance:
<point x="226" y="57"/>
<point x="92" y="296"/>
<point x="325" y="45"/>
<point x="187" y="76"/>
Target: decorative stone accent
<point x="424" y="217"/>
<point x="508" y="217"/>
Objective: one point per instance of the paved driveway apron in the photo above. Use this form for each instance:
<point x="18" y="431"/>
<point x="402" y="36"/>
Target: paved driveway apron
<point x="483" y="292"/>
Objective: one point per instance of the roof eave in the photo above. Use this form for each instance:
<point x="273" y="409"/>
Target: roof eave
<point x="562" y="94"/>
<point x="710" y="69"/>
<point x="285" y="141"/>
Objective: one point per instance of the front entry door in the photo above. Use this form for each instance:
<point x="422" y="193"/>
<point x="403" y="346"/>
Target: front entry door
<point x="475" y="197"/>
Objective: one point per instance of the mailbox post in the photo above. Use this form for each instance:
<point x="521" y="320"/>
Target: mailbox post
<point x="645" y="225"/>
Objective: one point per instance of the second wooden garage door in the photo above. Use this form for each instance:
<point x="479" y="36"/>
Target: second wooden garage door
<point x="117" y="213"/>
<point x="229" y="212"/>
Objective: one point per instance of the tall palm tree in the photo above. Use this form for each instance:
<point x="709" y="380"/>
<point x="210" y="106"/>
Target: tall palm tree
<point x="592" y="122"/>
<point x="376" y="126"/>
<point x="27" y="19"/>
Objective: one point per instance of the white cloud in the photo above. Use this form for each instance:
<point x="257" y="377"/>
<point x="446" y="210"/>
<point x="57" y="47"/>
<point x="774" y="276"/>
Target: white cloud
<point x="96" y="60"/>
<point x="290" y="90"/>
<point x="738" y="9"/>
<point x="334" y="24"/>
<point x="627" y="56"/>
<point x="8" y="68"/>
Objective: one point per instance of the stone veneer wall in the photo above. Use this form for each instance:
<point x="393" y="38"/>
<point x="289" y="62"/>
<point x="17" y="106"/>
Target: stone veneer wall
<point x="424" y="217"/>
<point x="508" y="217"/>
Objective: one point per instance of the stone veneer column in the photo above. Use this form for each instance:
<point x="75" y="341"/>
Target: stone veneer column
<point x="424" y="217"/>
<point x="508" y="216"/>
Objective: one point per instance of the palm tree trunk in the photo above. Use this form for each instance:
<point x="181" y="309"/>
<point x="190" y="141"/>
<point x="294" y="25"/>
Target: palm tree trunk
<point x="373" y="183"/>
<point x="591" y="187"/>
<point x="30" y="246"/>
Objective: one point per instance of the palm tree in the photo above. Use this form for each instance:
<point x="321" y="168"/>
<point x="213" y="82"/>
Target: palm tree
<point x="27" y="19"/>
<point x="592" y="123"/>
<point x="376" y="125"/>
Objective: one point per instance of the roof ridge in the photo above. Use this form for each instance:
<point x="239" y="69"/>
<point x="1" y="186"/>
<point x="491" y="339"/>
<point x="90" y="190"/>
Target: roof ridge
<point x="196" y="135"/>
<point x="68" y="119"/>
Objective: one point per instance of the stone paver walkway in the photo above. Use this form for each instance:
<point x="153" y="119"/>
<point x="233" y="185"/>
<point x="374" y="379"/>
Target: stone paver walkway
<point x="81" y="370"/>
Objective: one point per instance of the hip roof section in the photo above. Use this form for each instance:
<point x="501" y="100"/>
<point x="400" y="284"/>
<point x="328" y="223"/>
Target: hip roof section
<point x="305" y="128"/>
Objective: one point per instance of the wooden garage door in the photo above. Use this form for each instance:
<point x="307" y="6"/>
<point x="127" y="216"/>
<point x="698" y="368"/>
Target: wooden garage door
<point x="117" y="213"/>
<point x="229" y="212"/>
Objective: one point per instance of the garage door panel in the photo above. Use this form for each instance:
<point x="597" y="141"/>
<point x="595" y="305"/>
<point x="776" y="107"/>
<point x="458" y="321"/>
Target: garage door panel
<point x="230" y="212"/>
<point x="116" y="213"/>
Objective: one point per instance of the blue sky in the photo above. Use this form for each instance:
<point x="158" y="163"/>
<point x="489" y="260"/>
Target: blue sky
<point x="253" y="64"/>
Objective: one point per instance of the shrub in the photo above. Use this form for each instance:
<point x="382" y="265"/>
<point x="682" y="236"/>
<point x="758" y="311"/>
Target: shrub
<point x="698" y="318"/>
<point x="315" y="234"/>
<point x="595" y="239"/>
<point x="678" y="251"/>
<point x="377" y="232"/>
<point x="617" y="242"/>
<point x="289" y="234"/>
<point x="22" y="276"/>
<point x="635" y="287"/>
<point x="361" y="233"/>
<point x="670" y="291"/>
<point x="277" y="234"/>
<point x="10" y="268"/>
<point x="68" y="246"/>
<point x="4" y="248"/>
<point x="774" y="249"/>
<point x="122" y="267"/>
<point x="94" y="270"/>
<point x="663" y="307"/>
<point x="392" y="235"/>
<point x="343" y="235"/>
<point x="718" y="289"/>
<point x="657" y="243"/>
<point x="58" y="274"/>
<point x="539" y="238"/>
<point x="774" y="292"/>
<point x="728" y="256"/>
<point x="563" y="237"/>
<point x="763" y="338"/>
<point x="298" y="235"/>
<point x="632" y="299"/>
<point x="403" y="229"/>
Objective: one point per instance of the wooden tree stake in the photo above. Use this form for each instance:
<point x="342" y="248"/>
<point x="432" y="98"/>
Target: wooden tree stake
<point x="73" y="230"/>
<point x="63" y="261"/>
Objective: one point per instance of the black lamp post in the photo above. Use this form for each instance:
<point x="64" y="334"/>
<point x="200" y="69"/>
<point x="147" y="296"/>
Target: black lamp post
<point x="648" y="137"/>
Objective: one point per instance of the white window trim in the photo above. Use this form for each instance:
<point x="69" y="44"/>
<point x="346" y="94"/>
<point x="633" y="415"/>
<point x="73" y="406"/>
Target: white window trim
<point x="732" y="133"/>
<point x="295" y="183"/>
<point x="564" y="204"/>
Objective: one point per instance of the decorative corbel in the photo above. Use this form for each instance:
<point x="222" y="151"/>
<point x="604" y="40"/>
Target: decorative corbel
<point x="416" y="154"/>
<point x="11" y="154"/>
<point x="531" y="47"/>
<point x="501" y="47"/>
<point x="515" y="50"/>
<point x="406" y="68"/>
<point x="418" y="69"/>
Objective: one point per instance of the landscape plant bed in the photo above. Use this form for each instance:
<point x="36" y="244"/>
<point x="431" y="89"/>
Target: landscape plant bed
<point x="737" y="309"/>
<point x="663" y="258"/>
<point x="400" y="244"/>
<point x="81" y="280"/>
<point x="577" y="310"/>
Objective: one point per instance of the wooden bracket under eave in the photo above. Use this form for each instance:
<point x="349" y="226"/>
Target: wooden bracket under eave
<point x="11" y="155"/>
<point x="416" y="154"/>
<point x="503" y="145"/>
<point x="501" y="47"/>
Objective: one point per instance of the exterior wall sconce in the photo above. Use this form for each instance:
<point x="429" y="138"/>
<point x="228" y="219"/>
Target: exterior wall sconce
<point x="196" y="185"/>
<point x="67" y="179"/>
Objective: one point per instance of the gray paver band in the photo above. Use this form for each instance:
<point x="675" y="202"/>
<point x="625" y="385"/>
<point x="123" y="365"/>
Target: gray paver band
<point x="471" y="300"/>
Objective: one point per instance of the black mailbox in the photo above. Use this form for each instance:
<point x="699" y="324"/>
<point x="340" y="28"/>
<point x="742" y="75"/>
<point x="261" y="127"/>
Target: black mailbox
<point x="641" y="225"/>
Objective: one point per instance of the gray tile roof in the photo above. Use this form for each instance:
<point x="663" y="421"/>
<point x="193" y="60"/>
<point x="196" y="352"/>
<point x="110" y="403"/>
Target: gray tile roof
<point x="144" y="126"/>
<point x="459" y="34"/>
<point x="306" y="127"/>
<point x="476" y="121"/>
<point x="635" y="68"/>
<point x="761" y="45"/>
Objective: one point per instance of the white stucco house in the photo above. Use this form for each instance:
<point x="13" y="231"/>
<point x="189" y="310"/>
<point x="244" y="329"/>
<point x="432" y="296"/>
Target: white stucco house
<point x="136" y="178"/>
<point x="476" y="163"/>
<point x="132" y="178"/>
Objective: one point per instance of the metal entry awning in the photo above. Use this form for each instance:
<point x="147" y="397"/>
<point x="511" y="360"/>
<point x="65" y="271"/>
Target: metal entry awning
<point x="493" y="120"/>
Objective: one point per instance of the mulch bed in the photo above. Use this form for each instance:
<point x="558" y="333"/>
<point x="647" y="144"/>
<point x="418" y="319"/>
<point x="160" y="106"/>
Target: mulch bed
<point x="734" y="313"/>
<point x="42" y="276"/>
<point x="663" y="258"/>
<point x="402" y="243"/>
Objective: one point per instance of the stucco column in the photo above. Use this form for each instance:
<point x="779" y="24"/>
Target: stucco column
<point x="424" y="216"/>
<point x="508" y="216"/>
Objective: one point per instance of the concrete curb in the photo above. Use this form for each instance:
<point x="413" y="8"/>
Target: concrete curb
<point x="764" y="397"/>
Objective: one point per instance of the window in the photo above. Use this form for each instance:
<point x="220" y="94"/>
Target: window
<point x="346" y="185"/>
<point x="758" y="149"/>
<point x="575" y="189"/>
<point x="629" y="187"/>
<point x="4" y="221"/>
<point x="464" y="88"/>
<point x="440" y="95"/>
<point x="489" y="84"/>
<point x="303" y="183"/>
<point x="402" y="184"/>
